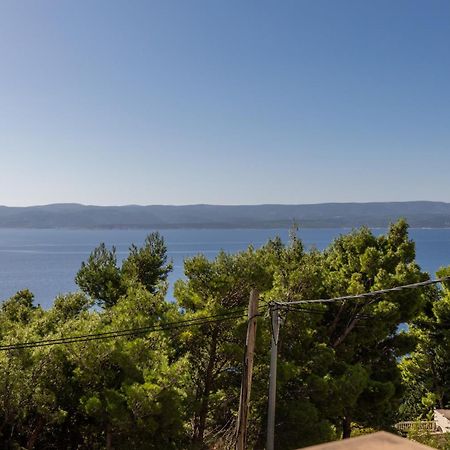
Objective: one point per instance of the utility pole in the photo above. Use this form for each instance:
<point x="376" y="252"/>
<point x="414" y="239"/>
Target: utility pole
<point x="241" y="429"/>
<point x="275" y="319"/>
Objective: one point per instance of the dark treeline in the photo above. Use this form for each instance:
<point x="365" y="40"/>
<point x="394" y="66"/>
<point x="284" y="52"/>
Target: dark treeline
<point x="343" y="366"/>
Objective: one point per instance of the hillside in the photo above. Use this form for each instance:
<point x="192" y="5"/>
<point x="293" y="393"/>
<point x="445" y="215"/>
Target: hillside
<point x="418" y="214"/>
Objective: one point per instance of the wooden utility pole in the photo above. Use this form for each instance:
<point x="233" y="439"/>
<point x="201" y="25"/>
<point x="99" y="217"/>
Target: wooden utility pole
<point x="241" y="429"/>
<point x="275" y="318"/>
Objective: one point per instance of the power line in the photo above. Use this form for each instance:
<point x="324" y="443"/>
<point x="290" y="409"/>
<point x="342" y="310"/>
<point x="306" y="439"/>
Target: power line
<point x="366" y="294"/>
<point x="116" y="334"/>
<point x="207" y="319"/>
<point x="306" y="310"/>
<point x="321" y="312"/>
<point x="127" y="332"/>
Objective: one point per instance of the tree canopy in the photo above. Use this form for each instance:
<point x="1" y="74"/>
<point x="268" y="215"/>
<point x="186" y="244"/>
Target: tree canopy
<point x="342" y="366"/>
<point x="105" y="282"/>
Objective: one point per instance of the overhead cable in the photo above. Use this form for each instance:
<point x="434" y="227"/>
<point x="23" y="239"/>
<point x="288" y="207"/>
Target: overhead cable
<point x="366" y="294"/>
<point x="235" y="314"/>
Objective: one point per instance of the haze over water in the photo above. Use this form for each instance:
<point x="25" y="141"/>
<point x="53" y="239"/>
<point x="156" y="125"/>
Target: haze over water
<point x="46" y="261"/>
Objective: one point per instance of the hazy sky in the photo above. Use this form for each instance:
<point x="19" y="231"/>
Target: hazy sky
<point x="224" y="101"/>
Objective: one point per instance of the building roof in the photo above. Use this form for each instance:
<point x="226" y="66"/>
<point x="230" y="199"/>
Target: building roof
<point x="444" y="412"/>
<point x="375" y="441"/>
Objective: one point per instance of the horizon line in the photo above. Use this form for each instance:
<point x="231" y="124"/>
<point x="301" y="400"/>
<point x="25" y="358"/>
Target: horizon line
<point x="219" y="204"/>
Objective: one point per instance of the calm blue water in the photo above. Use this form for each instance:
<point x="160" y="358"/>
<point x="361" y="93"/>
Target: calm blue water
<point x="46" y="261"/>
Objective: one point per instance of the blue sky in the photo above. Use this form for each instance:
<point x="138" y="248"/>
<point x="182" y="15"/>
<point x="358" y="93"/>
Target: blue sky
<point x="225" y="102"/>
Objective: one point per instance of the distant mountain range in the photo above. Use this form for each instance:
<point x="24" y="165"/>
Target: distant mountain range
<point x="324" y="215"/>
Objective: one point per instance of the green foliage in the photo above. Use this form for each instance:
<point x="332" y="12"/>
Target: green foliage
<point x="441" y="442"/>
<point x="214" y="351"/>
<point x="342" y="357"/>
<point x="426" y="371"/>
<point x="341" y="365"/>
<point x="102" y="279"/>
<point x="148" y="264"/>
<point x="20" y="307"/>
<point x="128" y="392"/>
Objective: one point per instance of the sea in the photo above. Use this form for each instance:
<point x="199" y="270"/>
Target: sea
<point x="45" y="261"/>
